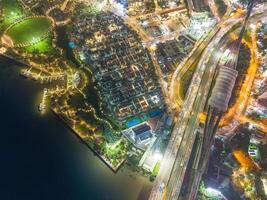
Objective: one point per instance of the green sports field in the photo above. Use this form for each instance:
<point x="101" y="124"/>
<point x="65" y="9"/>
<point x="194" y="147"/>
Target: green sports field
<point x="45" y="46"/>
<point x="29" y="31"/>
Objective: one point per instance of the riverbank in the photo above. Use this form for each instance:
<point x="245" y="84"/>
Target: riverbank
<point x="89" y="145"/>
<point x="42" y="159"/>
<point x="68" y="90"/>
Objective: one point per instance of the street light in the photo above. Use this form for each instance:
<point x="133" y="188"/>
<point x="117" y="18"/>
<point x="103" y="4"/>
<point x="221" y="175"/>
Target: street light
<point x="158" y="156"/>
<point x="252" y="26"/>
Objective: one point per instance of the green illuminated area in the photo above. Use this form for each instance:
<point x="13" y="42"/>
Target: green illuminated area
<point x="208" y="193"/>
<point x="155" y="171"/>
<point x="44" y="46"/>
<point x="12" y="11"/>
<point x="91" y="9"/>
<point x="30" y="31"/>
<point x="115" y="151"/>
<point x="88" y="9"/>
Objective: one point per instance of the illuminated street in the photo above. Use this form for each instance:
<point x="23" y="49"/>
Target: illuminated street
<point x="172" y="91"/>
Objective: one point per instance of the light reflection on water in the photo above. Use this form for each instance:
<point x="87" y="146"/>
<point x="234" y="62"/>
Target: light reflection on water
<point x="42" y="159"/>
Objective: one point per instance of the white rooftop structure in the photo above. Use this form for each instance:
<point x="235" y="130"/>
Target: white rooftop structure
<point x="223" y="88"/>
<point x="140" y="135"/>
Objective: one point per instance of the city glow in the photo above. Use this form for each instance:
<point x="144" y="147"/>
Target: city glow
<point x="156" y="89"/>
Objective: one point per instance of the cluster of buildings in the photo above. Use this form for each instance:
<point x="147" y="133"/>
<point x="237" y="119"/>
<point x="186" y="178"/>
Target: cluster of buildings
<point x="172" y="52"/>
<point x="30" y="3"/>
<point x="135" y="7"/>
<point x="245" y="165"/>
<point x="139" y="7"/>
<point x="57" y="9"/>
<point x="256" y="151"/>
<point x="239" y="162"/>
<point x="122" y="68"/>
<point x="58" y="15"/>
<point x="257" y="108"/>
<point x="140" y="135"/>
<point x="257" y="142"/>
<point x="164" y="22"/>
<point x="169" y="3"/>
<point x="137" y="4"/>
<point x="40" y="5"/>
<point x="200" y="24"/>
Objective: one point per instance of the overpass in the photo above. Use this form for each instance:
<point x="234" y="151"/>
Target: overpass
<point x="169" y="181"/>
<point x="217" y="105"/>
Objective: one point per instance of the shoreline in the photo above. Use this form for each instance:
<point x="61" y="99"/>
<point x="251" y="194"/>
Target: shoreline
<point x="49" y="146"/>
<point x="102" y="158"/>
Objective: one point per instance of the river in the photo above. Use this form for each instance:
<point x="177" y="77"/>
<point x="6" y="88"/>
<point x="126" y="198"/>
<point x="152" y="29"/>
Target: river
<point x="41" y="159"/>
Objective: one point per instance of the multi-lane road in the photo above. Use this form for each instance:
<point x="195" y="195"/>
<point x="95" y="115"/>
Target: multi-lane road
<point x="207" y="54"/>
<point x="174" y="164"/>
<point x="192" y="60"/>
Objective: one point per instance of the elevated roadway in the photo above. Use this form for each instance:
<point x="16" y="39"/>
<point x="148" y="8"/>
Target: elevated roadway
<point x="170" y="178"/>
<point x="190" y="62"/>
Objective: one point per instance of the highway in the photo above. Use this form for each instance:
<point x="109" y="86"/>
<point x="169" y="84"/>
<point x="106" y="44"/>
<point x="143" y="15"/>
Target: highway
<point x="182" y="139"/>
<point x="169" y="180"/>
<point x="207" y="54"/>
<point x="193" y="59"/>
<point x="236" y="112"/>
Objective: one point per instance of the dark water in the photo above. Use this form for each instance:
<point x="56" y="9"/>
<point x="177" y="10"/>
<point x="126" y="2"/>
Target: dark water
<point x="42" y="159"/>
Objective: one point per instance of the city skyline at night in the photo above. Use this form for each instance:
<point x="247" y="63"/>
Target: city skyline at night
<point x="168" y="97"/>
